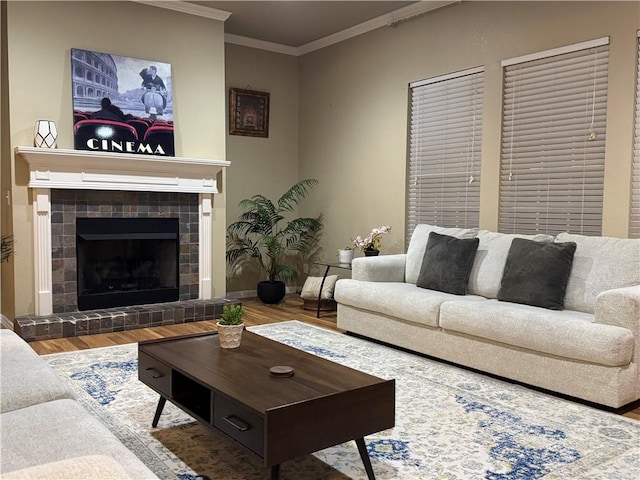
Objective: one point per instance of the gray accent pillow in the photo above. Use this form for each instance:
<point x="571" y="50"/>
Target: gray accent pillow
<point x="537" y="273"/>
<point x="447" y="263"/>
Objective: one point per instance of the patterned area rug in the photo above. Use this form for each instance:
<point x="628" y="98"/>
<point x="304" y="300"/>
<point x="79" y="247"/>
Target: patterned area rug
<point x="451" y="424"/>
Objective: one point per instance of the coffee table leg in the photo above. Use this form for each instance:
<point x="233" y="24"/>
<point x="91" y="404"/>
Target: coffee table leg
<point x="364" y="455"/>
<point x="159" y="408"/>
<point x="275" y="472"/>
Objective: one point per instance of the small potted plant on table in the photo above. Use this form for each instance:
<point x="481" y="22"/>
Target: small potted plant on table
<point x="230" y="326"/>
<point x="345" y="255"/>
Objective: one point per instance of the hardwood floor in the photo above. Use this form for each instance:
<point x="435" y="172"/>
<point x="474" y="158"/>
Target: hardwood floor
<point x="257" y="313"/>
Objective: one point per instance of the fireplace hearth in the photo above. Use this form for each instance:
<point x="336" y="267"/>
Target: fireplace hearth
<point x="126" y="261"/>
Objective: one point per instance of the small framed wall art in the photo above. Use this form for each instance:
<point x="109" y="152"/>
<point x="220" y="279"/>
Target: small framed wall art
<point x="248" y="113"/>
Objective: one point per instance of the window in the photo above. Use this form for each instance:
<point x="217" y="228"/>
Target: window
<point x="553" y="140"/>
<point x="445" y="144"/>
<point x="634" y="221"/>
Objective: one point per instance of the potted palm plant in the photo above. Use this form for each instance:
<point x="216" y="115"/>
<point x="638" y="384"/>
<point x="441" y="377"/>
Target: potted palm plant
<point x="230" y="326"/>
<point x="263" y="233"/>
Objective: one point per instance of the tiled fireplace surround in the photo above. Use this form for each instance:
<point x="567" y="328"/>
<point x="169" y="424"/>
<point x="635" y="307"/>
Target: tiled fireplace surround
<point x="160" y="188"/>
<point x="67" y="205"/>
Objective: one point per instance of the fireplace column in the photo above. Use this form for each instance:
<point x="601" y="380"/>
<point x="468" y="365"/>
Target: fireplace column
<point x="42" y="251"/>
<point x="204" y="252"/>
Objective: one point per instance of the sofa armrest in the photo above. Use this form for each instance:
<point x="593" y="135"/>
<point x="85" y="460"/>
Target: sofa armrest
<point x="385" y="268"/>
<point x="620" y="307"/>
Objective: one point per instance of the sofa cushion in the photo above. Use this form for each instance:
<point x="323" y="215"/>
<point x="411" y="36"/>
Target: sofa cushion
<point x="76" y="468"/>
<point x="418" y="244"/>
<point x="57" y="430"/>
<point x="26" y="378"/>
<point x="599" y="264"/>
<point x="395" y="299"/>
<point x="537" y="273"/>
<point x="491" y="258"/>
<point x="563" y="333"/>
<point x="447" y="263"/>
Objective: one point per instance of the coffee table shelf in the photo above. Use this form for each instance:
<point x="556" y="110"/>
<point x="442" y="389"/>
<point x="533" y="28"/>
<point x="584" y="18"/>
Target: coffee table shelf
<point x="191" y="396"/>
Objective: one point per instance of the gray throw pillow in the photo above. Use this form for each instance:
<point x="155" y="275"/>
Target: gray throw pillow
<point x="537" y="273"/>
<point x="447" y="263"/>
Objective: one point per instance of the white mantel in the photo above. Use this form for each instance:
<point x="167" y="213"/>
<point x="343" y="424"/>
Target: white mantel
<point x="83" y="169"/>
<point x="80" y="169"/>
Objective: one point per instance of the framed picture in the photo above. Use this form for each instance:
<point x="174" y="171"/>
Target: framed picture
<point x="248" y="113"/>
<point x="121" y="104"/>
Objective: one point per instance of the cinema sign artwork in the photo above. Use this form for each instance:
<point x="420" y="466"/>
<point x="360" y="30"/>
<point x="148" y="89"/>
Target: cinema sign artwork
<point x="121" y="104"/>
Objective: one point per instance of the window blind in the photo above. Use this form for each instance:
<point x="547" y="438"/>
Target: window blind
<point x="634" y="221"/>
<point x="553" y="142"/>
<point x="445" y="144"/>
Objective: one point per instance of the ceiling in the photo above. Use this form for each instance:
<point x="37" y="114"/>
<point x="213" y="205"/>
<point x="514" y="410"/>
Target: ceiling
<point x="298" y="23"/>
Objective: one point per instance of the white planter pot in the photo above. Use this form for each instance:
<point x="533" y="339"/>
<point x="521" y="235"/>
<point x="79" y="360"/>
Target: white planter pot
<point x="230" y="335"/>
<point x="345" y="256"/>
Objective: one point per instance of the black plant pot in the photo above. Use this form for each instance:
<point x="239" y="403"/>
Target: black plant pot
<point x="271" y="292"/>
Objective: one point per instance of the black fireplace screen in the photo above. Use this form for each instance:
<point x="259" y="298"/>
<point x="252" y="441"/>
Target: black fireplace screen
<point x="126" y="261"/>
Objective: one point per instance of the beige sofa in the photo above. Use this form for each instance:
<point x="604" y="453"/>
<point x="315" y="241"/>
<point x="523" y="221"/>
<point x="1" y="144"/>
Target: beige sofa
<point x="589" y="350"/>
<point x="45" y="433"/>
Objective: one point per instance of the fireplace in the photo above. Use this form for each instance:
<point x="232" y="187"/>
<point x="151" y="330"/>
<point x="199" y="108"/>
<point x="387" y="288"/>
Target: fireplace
<point x="70" y="184"/>
<point x="126" y="261"/>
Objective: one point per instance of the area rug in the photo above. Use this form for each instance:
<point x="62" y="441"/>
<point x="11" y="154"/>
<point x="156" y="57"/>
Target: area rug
<point x="451" y="424"/>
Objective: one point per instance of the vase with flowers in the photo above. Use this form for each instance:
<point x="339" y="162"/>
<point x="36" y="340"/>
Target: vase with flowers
<point x="372" y="243"/>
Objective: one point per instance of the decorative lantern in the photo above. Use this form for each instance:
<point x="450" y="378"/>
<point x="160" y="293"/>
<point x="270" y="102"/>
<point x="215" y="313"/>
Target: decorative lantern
<point x="45" y="134"/>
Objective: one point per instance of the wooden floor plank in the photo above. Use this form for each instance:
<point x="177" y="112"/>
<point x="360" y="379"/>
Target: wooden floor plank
<point x="257" y="313"/>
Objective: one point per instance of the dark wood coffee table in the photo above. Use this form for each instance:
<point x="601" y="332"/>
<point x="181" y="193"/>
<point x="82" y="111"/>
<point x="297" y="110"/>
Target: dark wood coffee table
<point x="277" y="418"/>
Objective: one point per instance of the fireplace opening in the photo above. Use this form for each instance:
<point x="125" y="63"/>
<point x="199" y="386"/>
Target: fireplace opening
<point x="126" y="261"/>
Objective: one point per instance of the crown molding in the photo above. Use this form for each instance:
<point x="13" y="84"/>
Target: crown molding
<point x="260" y="44"/>
<point x="388" y="20"/>
<point x="189" y="8"/>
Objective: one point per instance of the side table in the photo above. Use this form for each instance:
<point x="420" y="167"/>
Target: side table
<point x="329" y="266"/>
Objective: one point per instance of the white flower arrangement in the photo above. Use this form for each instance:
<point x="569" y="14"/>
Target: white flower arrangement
<point x="371" y="241"/>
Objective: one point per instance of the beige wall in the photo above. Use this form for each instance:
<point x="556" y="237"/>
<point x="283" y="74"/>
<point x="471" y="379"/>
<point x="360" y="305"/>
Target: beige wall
<point x="267" y="166"/>
<point x="353" y="104"/>
<point x="6" y="269"/>
<point x="40" y="36"/>
<point x="338" y="114"/>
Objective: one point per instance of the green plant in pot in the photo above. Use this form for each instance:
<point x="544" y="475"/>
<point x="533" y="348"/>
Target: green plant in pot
<point x="6" y="248"/>
<point x="230" y="326"/>
<point x="264" y="233"/>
